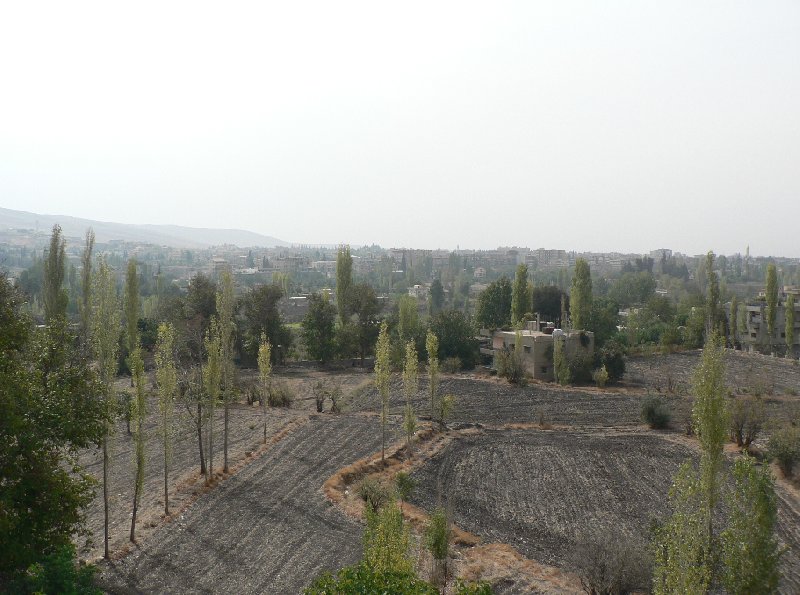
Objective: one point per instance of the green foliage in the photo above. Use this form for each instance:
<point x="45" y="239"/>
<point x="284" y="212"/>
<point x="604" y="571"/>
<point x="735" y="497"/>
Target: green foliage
<point x="494" y="305"/>
<point x="260" y="315"/>
<point x="407" y="317"/>
<point x="750" y="552"/>
<point x="318" y="328"/>
<point x="405" y="485"/>
<point x="54" y="295"/>
<point x="655" y="412"/>
<point x="472" y="588"/>
<point x="520" y="298"/>
<point x="374" y="493"/>
<point x="456" y="337"/>
<point x="600" y="376"/>
<point x="362" y="578"/>
<point x="436" y="297"/>
<point x="437" y="535"/>
<point x="432" y="347"/>
<point x="772" y="297"/>
<point x="560" y="363"/>
<point x="681" y="545"/>
<point x="57" y="573"/>
<point x="784" y="448"/>
<point x="632" y="288"/>
<point x="747" y="417"/>
<point x="580" y="296"/>
<point x="344" y="280"/>
<point x="410" y="385"/>
<point x="85" y="306"/>
<point x="789" y="327"/>
<point x="132" y="306"/>
<point x="604" y="320"/>
<point x="383" y="374"/>
<point x="712" y="301"/>
<point x="49" y="412"/>
<point x="452" y="365"/>
<point x="612" y="357"/>
<point x="509" y="364"/>
<point x="387" y="540"/>
<point x="611" y="563"/>
<point x="366" y="307"/>
<point x="280" y="395"/>
<point x="546" y="301"/>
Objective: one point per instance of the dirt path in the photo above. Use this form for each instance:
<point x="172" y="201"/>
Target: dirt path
<point x="267" y="529"/>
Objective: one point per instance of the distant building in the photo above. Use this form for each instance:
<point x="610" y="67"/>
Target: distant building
<point x="757" y="337"/>
<point x="479" y="273"/>
<point x="538" y="347"/>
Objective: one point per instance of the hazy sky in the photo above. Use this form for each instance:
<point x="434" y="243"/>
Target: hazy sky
<point x="580" y="125"/>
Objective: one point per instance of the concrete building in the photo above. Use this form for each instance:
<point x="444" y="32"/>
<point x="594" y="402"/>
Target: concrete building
<point x="757" y="336"/>
<point x="538" y="347"/>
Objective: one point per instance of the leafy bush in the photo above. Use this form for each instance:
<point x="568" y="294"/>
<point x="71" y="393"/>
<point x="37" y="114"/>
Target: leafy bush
<point x="509" y="366"/>
<point x="655" y="412"/>
<point x="611" y="565"/>
<point x="437" y="542"/>
<point x="612" y="356"/>
<point x="365" y="579"/>
<point x="600" y="376"/>
<point x="405" y="485"/>
<point x="470" y="588"/>
<point x="747" y="417"/>
<point x="57" y="573"/>
<point x="580" y="368"/>
<point x="784" y="448"/>
<point x="451" y="365"/>
<point x="280" y="395"/>
<point x="374" y="493"/>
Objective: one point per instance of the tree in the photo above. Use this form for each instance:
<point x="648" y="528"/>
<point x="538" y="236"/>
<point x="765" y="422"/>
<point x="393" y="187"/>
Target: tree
<point x="604" y="320"/>
<point x="227" y="328"/>
<point x="520" y="298"/>
<point x="436" y="297"/>
<point x="733" y="321"/>
<point x="437" y="542"/>
<point x="750" y="553"/>
<point x="318" y="328"/>
<point x="494" y="305"/>
<point x="167" y="379"/>
<point x="546" y="301"/>
<point x="132" y="306"/>
<point x="105" y="335"/>
<point x="432" y="347"/>
<point x="410" y="382"/>
<point x="86" y="287"/>
<point x="407" y="317"/>
<point x="632" y="288"/>
<point x="55" y="296"/>
<point x="382" y="377"/>
<point x="344" y="280"/>
<point x="772" y="298"/>
<point x="456" y="337"/>
<point x="560" y="362"/>
<point x="212" y="378"/>
<point x="262" y="315"/>
<point x="50" y="412"/>
<point x="138" y="413"/>
<point x="580" y="296"/>
<point x="712" y="301"/>
<point x="264" y="371"/>
<point x="365" y="305"/>
<point x="789" y="317"/>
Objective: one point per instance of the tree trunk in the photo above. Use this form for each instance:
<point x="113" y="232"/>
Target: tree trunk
<point x="210" y="475"/>
<point x="225" y="439"/>
<point x="106" y="554"/>
<point x="200" y="438"/>
<point x="135" y="508"/>
<point x="166" y="466"/>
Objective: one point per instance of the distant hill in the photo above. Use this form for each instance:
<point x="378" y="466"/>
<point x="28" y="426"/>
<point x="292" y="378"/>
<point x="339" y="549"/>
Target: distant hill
<point x="165" y="235"/>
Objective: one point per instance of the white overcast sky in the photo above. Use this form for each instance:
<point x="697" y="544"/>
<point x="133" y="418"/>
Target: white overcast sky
<point x="597" y="125"/>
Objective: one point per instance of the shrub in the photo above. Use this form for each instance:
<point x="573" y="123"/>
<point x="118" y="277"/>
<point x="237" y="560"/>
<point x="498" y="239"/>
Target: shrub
<point x="612" y="356"/>
<point x="611" y="565"/>
<point x="280" y="395"/>
<point x="451" y="365"/>
<point x="405" y="485"/>
<point x="437" y="542"/>
<point x="655" y="412"/>
<point x="600" y="376"/>
<point x="509" y="366"/>
<point x="362" y="578"/>
<point x="470" y="588"/>
<point x="580" y="368"/>
<point x="374" y="493"/>
<point x="58" y="573"/>
<point x="784" y="448"/>
<point x="747" y="417"/>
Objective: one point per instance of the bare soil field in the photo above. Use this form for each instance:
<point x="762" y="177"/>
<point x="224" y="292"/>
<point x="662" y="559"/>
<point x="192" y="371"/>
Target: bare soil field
<point x="267" y="529"/>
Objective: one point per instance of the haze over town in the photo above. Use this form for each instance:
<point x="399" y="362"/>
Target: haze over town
<point x="605" y="127"/>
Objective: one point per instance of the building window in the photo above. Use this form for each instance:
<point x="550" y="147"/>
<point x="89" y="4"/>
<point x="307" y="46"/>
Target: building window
<point x="544" y="369"/>
<point x="527" y="348"/>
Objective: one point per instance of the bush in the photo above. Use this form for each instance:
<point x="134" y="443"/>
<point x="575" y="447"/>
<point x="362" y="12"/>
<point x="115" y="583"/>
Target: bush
<point x="437" y="542"/>
<point x="784" y="448"/>
<point x="655" y="412"/>
<point x="747" y="417"/>
<point x="57" y="573"/>
<point x="365" y="579"/>
<point x="470" y="588"/>
<point x="280" y="395"/>
<point x="612" y="356"/>
<point x="611" y="565"/>
<point x="600" y="376"/>
<point x="374" y="493"/>
<point x="509" y="366"/>
<point x="451" y="365"/>
<point x="580" y="368"/>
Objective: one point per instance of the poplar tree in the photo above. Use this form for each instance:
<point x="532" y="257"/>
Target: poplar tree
<point x="772" y="298"/>
<point x="712" y="300"/>
<point x="105" y="339"/>
<point x="212" y="377"/>
<point x="344" y="281"/>
<point x="520" y="296"/>
<point x="733" y="318"/>
<point x="789" y="317"/>
<point x="264" y="371"/>
<point x="432" y="347"/>
<point x="54" y="295"/>
<point x="132" y="305"/>
<point x="138" y="413"/>
<point x="382" y="378"/>
<point x="580" y="296"/>
<point x="85" y="305"/>
<point x="227" y="326"/>
<point x="409" y="390"/>
<point x="167" y="379"/>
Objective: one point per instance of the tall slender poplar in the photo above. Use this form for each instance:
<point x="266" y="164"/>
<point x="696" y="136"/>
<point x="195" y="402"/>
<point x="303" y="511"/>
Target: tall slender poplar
<point x="383" y="374"/>
<point x="138" y="413"/>
<point x="432" y="347"/>
<point x="167" y="379"/>
<point x="212" y="377"/>
<point x="54" y="295"/>
<point x="789" y="318"/>
<point x="85" y="305"/>
<point x="227" y="328"/>
<point x="344" y="281"/>
<point x="520" y="296"/>
<point x="264" y="371"/>
<point x="410" y="381"/>
<point x="772" y="299"/>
